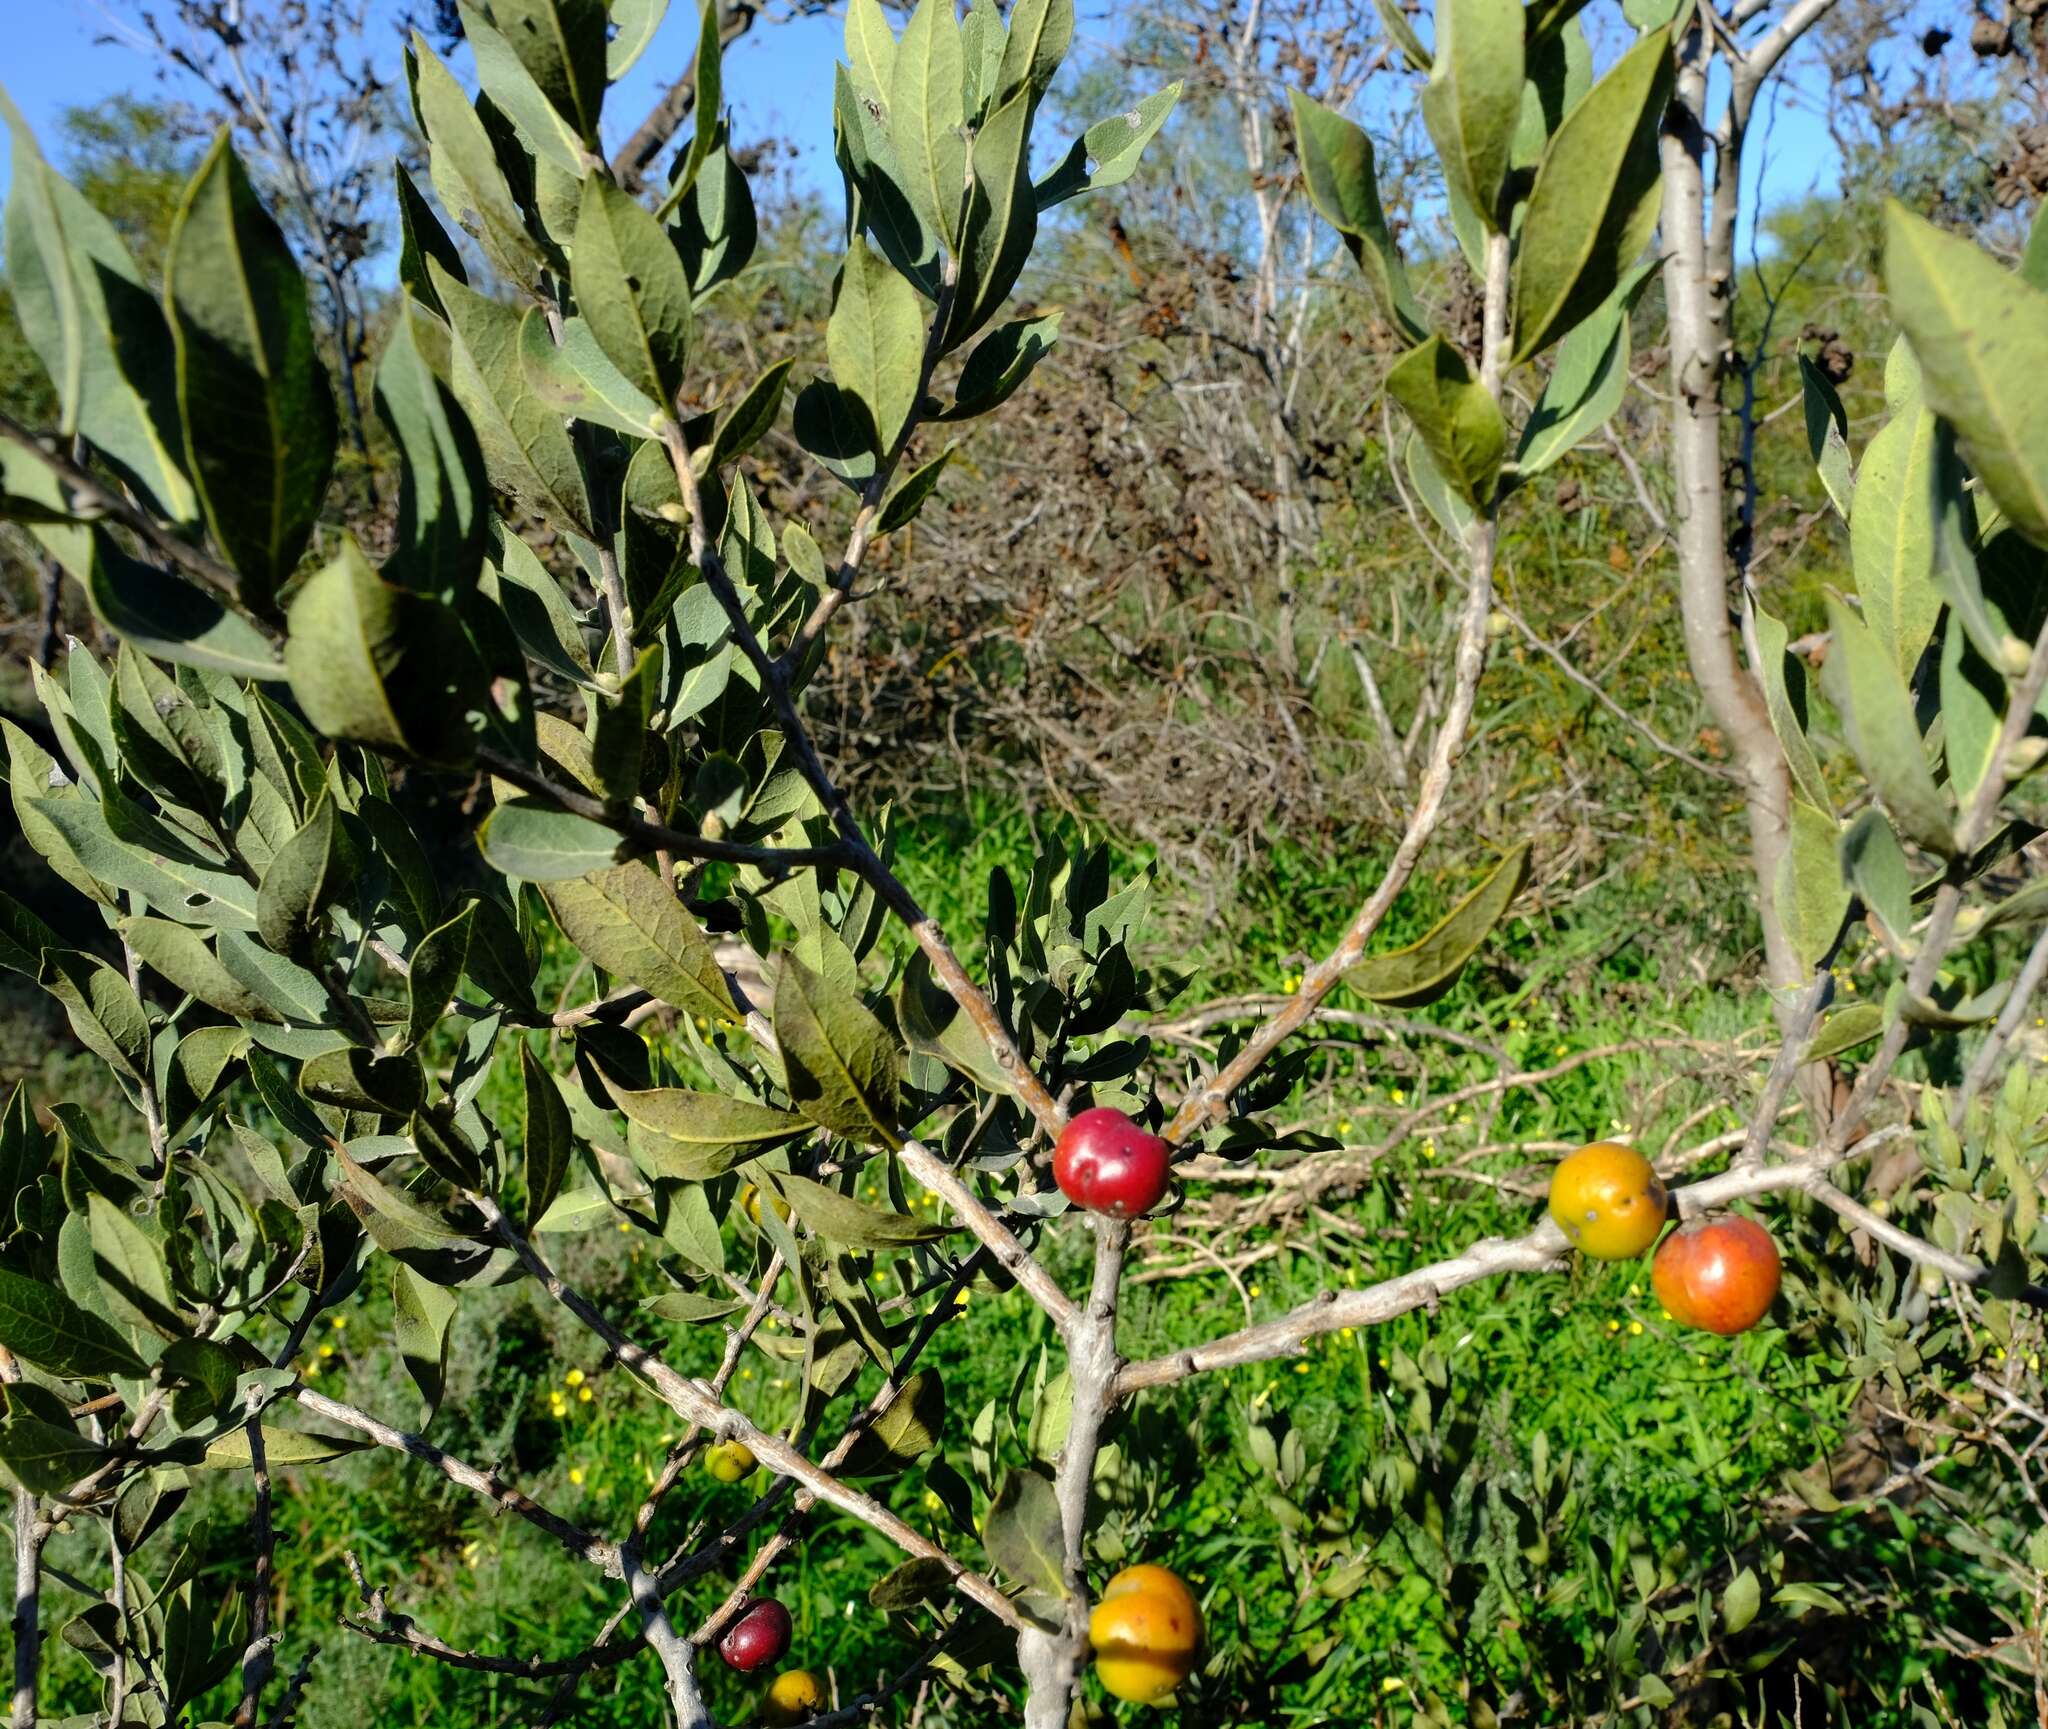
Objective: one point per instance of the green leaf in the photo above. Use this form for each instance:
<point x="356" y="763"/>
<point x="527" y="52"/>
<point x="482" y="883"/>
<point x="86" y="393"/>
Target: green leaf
<point x="167" y="617"/>
<point x="1109" y="152"/>
<point x="1443" y="502"/>
<point x="844" y="1068"/>
<point x="634" y="23"/>
<point x="258" y="412"/>
<point x="1827" y="435"/>
<point x="1000" y="222"/>
<point x="420" y="237"/>
<point x="209" y="1371"/>
<point x="1808" y="890"/>
<point x="1891" y="537"/>
<point x="909" y="498"/>
<point x="753" y="417"/>
<point x="575" y="378"/>
<point x="103" y="1010"/>
<point x="1739" y="1602"/>
<point x="1423" y="971"/>
<point x="1973" y="702"/>
<point x="1337" y="168"/>
<point x="1844" y="1030"/>
<point x="937" y="1026"/>
<point x="629" y="922"/>
<point x="46" y="1458"/>
<point x="871" y="50"/>
<point x="624" y="729"/>
<point x="353" y="1079"/>
<point x="549" y="1142"/>
<point x="1594" y="205"/>
<point x="631" y="290"/>
<point x="281" y="1448"/>
<point x="848" y="1223"/>
<point x="1394" y="20"/>
<point x="1453" y="416"/>
<point x="1876" y="868"/>
<point x="527" y="450"/>
<point x="444" y="495"/>
<point x="926" y="114"/>
<point x="908" y="1429"/>
<point x="1001" y="362"/>
<point x="545" y="119"/>
<point x="1865" y="685"/>
<point x="1023" y="1534"/>
<point x="1472" y="104"/>
<point x="1586" y="384"/>
<point x="438" y="962"/>
<point x="181" y="955"/>
<point x="39" y="1323"/>
<point x="1783" y="676"/>
<point x="131" y="1270"/>
<point x="876" y="203"/>
<point x="298" y="885"/>
<point x="835" y="426"/>
<point x="563" y="46"/>
<point x="376" y="664"/>
<point x="421" y="1314"/>
<point x="709" y="73"/>
<point x="921" y="1580"/>
<point x="91" y="320"/>
<point x="1980" y="334"/>
<point x="1040" y="32"/>
<point x="875" y="341"/>
<point x="464" y="166"/>
<point x="538" y="843"/>
<point x="694" y="1136"/>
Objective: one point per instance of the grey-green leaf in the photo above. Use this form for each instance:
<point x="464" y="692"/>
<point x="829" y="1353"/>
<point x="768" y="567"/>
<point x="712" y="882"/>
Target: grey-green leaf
<point x="875" y="341"/>
<point x="631" y="290"/>
<point x="1472" y="104"/>
<point x="1337" y="168"/>
<point x="257" y="409"/>
<point x="626" y="920"/>
<point x="1453" y="415"/>
<point x="1981" y="336"/>
<point x="1865" y="685"/>
<point x="1425" y="969"/>
<point x="844" y="1068"/>
<point x="40" y="1323"/>
<point x="1594" y="205"/>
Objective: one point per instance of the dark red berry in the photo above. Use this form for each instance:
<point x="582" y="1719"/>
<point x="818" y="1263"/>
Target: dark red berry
<point x="758" y="1636"/>
<point x="1106" y="1163"/>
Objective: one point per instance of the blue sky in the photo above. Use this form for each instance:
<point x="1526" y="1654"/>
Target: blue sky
<point x="778" y="80"/>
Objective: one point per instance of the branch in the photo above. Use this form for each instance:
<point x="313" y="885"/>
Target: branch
<point x="258" y="1660"/>
<point x="1593" y="689"/>
<point x="1543" y="1249"/>
<point x="677" y="1655"/>
<point x="577" y="1541"/>
<point x="1206" y="1102"/>
<point x="1052" y="1661"/>
<point x="694" y="1402"/>
<point x="29" y="1535"/>
<point x="995" y="1236"/>
<point x="654" y="834"/>
<point x="774" y="675"/>
<point x="90" y="501"/>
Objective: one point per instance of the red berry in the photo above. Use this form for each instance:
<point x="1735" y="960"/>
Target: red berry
<point x="1720" y="1275"/>
<point x="758" y="1636"/>
<point x="1106" y="1163"/>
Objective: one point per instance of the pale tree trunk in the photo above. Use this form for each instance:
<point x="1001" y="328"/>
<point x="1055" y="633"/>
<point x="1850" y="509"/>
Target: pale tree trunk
<point x="1700" y="283"/>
